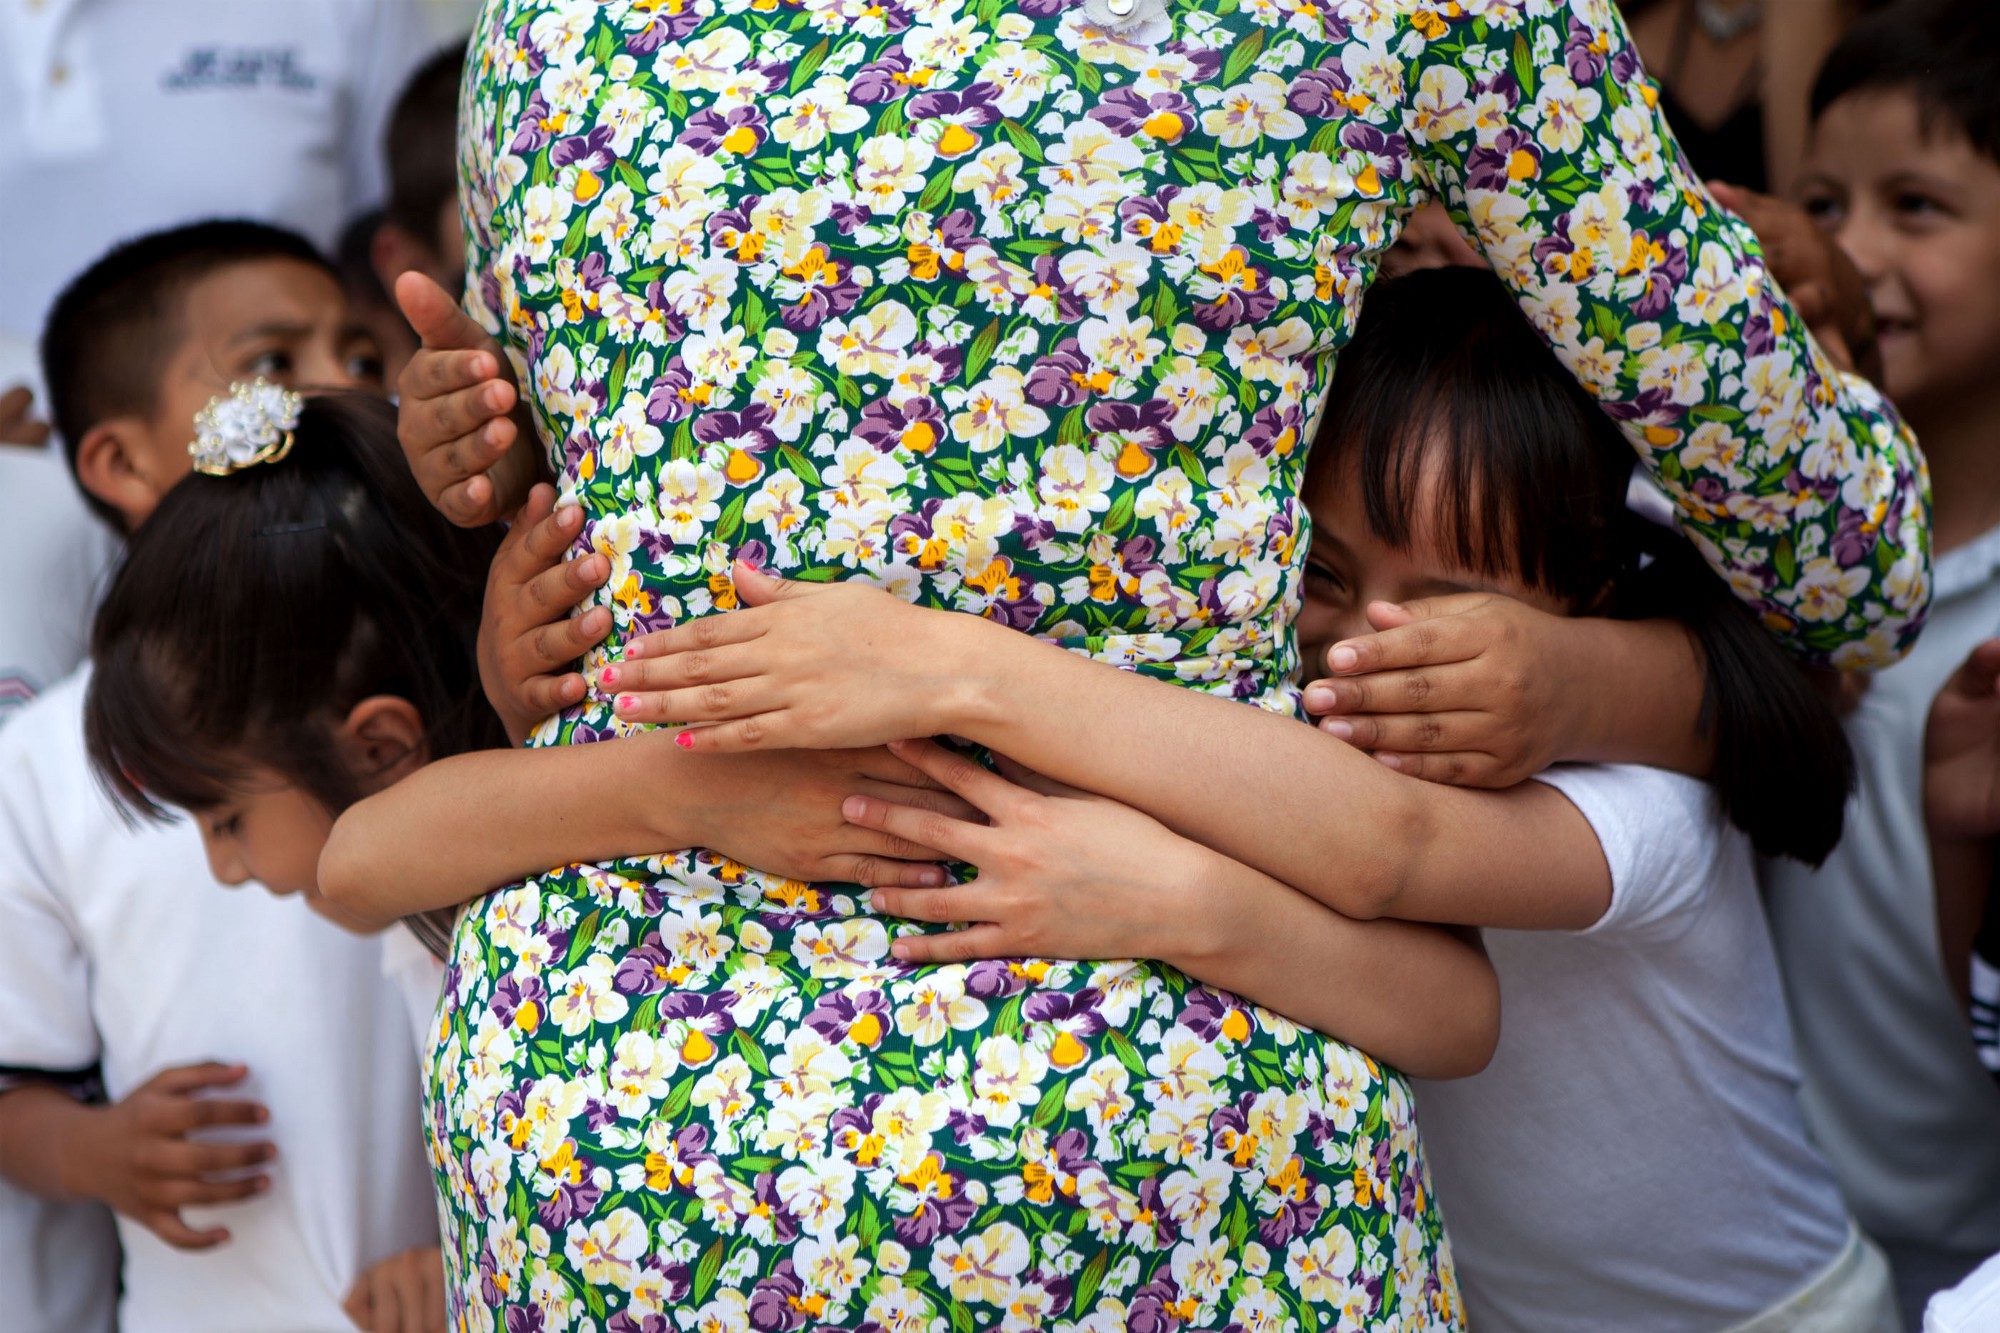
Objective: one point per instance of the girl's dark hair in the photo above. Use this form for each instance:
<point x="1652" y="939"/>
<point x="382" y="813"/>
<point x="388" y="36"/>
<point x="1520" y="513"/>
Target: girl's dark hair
<point x="1445" y="372"/>
<point x="252" y="611"/>
<point x="1944" y="53"/>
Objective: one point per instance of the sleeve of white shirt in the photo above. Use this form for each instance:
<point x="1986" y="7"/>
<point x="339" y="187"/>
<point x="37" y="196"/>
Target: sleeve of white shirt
<point x="45" y="1015"/>
<point x="1661" y="833"/>
<point x="387" y="40"/>
<point x="1969" y="1307"/>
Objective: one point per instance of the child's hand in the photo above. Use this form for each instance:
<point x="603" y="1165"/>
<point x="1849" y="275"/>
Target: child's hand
<point x="780" y="811"/>
<point x="528" y="641"/>
<point x="805" y="666"/>
<point x="137" y="1155"/>
<point x="1825" y="287"/>
<point x="468" y="436"/>
<point x="1056" y="869"/>
<point x="1469" y="689"/>
<point x="1962" y="750"/>
<point x="18" y="422"/>
<point x="403" y="1294"/>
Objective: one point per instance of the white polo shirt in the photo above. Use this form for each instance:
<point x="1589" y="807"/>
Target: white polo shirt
<point x="119" y="117"/>
<point x="116" y="947"/>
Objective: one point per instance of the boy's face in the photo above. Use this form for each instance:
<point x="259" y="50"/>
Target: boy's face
<point x="280" y="318"/>
<point x="1919" y="213"/>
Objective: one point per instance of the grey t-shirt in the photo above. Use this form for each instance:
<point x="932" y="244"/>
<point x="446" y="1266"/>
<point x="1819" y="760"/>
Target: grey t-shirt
<point x="1894" y="1093"/>
<point x="1634" y="1156"/>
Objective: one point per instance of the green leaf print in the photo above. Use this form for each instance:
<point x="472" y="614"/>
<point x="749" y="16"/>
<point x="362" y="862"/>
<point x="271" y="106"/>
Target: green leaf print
<point x="1071" y="430"/>
<point x="935" y="193"/>
<point x="1024" y="143"/>
<point x="892" y="120"/>
<point x="1244" y="54"/>
<point x="705" y="1272"/>
<point x="961" y="1319"/>
<point x="1091" y="1278"/>
<point x="755" y="315"/>
<point x="1009" y="1020"/>
<point x="1120" y="517"/>
<point x="731" y="523"/>
<point x="981" y="350"/>
<point x="1088" y="78"/>
<point x="1051" y="1105"/>
<point x="753" y="1055"/>
<point x="809" y="64"/>
<point x="1524" y="67"/>
<point x="1121" y="1046"/>
<point x="1327" y="138"/>
<point x="1785" y="560"/>
<point x="586" y="931"/>
<point x="676" y="1104"/>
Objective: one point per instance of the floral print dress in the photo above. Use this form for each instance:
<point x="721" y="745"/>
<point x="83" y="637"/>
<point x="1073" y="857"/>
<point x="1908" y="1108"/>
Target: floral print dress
<point x="1025" y="308"/>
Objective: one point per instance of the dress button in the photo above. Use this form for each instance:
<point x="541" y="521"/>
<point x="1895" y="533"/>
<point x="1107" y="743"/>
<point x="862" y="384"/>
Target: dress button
<point x="1120" y="7"/>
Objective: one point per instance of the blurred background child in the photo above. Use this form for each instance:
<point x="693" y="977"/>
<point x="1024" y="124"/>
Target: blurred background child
<point x="110" y="934"/>
<point x="1904" y="170"/>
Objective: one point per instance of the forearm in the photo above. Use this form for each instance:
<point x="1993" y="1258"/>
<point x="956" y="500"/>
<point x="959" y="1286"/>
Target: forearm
<point x="38" y="1128"/>
<point x="471" y="823"/>
<point x="1660" y="303"/>
<point x="1643" y="687"/>
<point x="1421" y="998"/>
<point x="1962" y="871"/>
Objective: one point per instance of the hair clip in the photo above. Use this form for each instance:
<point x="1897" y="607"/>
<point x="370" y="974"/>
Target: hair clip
<point x="253" y="423"/>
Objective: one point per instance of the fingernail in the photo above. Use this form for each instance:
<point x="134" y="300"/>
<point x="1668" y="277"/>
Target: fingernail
<point x="1343" y="658"/>
<point x="875" y="900"/>
<point x="635" y="649"/>
<point x="609" y="676"/>
<point x="853" y="808"/>
<point x="684" y="739"/>
<point x="900" y="951"/>
<point x="1319" y="699"/>
<point x="1390" y="761"/>
<point x="629" y="703"/>
<point x="263" y="1183"/>
<point x="566" y="514"/>
<point x="931" y="879"/>
<point x="1339" y="728"/>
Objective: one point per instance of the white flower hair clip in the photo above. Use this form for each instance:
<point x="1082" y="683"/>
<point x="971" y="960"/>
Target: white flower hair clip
<point x="253" y="423"/>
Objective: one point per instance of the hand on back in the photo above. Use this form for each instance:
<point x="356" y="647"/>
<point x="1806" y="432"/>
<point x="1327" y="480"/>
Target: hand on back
<point x="402" y="1294"/>
<point x="141" y="1155"/>
<point x="529" y="641"/>
<point x="1962" y="749"/>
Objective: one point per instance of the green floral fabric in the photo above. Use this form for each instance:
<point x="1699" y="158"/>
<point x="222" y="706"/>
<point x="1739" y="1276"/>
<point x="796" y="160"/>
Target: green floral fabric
<point x="1025" y="308"/>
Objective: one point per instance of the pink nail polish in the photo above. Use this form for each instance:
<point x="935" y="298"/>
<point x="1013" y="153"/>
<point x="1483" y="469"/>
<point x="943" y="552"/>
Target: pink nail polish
<point x="610" y="676"/>
<point x="627" y="703"/>
<point x="684" y="739"/>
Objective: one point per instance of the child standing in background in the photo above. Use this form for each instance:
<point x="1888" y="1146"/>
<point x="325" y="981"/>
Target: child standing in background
<point x="202" y="1008"/>
<point x="1905" y="171"/>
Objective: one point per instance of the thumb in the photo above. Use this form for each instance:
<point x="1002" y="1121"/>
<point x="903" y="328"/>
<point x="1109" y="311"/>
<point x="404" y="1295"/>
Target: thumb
<point x="1978" y="676"/>
<point x="436" y="317"/>
<point x="757" y="588"/>
<point x="1389" y="615"/>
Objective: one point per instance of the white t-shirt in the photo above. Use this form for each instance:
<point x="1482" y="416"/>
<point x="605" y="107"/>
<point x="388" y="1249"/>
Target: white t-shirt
<point x="117" y="947"/>
<point x="1894" y="1093"/>
<point x="119" y="117"/>
<point x="1973" y="1306"/>
<point x="1633" y="1158"/>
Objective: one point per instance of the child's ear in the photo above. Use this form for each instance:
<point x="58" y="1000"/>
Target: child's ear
<point x="384" y="740"/>
<point x="115" y="463"/>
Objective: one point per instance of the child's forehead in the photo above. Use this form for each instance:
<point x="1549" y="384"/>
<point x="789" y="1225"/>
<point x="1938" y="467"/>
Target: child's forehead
<point x="1887" y="124"/>
<point x="268" y="291"/>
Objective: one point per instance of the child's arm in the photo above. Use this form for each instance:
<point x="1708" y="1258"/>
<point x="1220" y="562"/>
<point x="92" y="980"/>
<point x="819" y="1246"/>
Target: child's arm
<point x="137" y="1155"/>
<point x="1484" y="691"/>
<point x="844" y="663"/>
<point x="471" y="823"/>
<point x="1063" y="874"/>
<point x="1962" y="803"/>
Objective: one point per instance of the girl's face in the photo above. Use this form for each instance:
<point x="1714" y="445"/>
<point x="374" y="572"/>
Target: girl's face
<point x="270" y="830"/>
<point x="1918" y="210"/>
<point x="1348" y="567"/>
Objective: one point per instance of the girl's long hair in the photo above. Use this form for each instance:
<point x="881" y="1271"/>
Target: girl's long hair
<point x="252" y="611"/>
<point x="1446" y="387"/>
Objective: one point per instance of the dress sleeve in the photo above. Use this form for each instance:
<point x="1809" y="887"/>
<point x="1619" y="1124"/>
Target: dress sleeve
<point x="1800" y="484"/>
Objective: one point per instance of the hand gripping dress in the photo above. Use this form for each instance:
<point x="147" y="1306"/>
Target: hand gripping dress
<point x="1025" y="308"/>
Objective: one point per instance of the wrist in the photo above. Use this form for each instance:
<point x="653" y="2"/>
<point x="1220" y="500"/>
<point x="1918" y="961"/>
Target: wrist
<point x="978" y="658"/>
<point x="664" y="790"/>
<point x="77" y="1152"/>
<point x="1195" y="929"/>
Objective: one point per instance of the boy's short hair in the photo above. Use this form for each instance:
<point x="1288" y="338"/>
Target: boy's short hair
<point x="421" y="143"/>
<point x="112" y="330"/>
<point x="1944" y="53"/>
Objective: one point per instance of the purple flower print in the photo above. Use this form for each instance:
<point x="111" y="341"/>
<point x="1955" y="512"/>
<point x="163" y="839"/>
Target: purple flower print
<point x="520" y="998"/>
<point x="1165" y="116"/>
<point x="741" y="131"/>
<point x="674" y="394"/>
<point x="524" y="1318"/>
<point x="1140" y="429"/>
<point x="994" y="979"/>
<point x="963" y="111"/>
<point x="708" y="1020"/>
<point x="1275" y="430"/>
<point x="599" y="1115"/>
<point x="646" y="970"/>
<point x="576" y="1194"/>
<point x="1320" y="92"/>
<point x="1046" y="9"/>
<point x="1493" y="166"/>
<point x="532" y="132"/>
<point x="1064" y="377"/>
<point x="1165" y="1230"/>
<point x="673" y="23"/>
<point x="1271" y="225"/>
<point x="917" y="424"/>
<point x="784" y="1226"/>
<point x="860" y="1016"/>
<point x="779" y="1303"/>
<point x="589" y="152"/>
<point x="882" y="80"/>
<point x="1155" y="1307"/>
<point x="1583" y="52"/>
<point x="1236" y="292"/>
<point x="944" y="250"/>
<point x="965" y="1126"/>
<point x="1075" y="1014"/>
<point x="1211" y="1015"/>
<point x="942" y="1207"/>
<point x="1665" y="268"/>
<point x="730" y="232"/>
<point x="848" y="215"/>
<point x="626" y="1322"/>
<point x="829" y="289"/>
<point x="747" y="437"/>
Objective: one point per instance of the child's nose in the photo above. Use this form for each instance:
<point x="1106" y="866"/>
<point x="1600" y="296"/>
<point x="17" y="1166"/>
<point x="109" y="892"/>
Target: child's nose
<point x="1867" y="241"/>
<point x="223" y="862"/>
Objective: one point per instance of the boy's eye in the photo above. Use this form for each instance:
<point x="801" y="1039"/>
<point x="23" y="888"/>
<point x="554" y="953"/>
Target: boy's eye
<point x="1324" y="581"/>
<point x="1825" y="210"/>
<point x="1918" y="206"/>
<point x="272" y="365"/>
